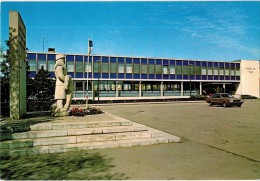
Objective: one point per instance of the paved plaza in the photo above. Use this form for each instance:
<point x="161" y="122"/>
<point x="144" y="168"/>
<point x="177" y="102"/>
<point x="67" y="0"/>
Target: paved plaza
<point x="217" y="142"/>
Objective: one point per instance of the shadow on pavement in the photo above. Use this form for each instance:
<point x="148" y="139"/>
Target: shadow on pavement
<point x="64" y="166"/>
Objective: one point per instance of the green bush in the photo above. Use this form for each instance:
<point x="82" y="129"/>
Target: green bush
<point x="248" y="97"/>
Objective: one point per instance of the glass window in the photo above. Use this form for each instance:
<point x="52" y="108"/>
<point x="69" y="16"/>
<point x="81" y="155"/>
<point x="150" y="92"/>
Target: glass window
<point x="226" y="71"/>
<point x="203" y="70"/>
<point x="121" y="68"/>
<point x="185" y="70"/>
<point x="221" y="71"/>
<point x="192" y="70"/>
<point x="79" y="86"/>
<point x="113" y="67"/>
<point x="210" y="72"/>
<point x="144" y="69"/>
<point x="105" y="67"/>
<point x="97" y="67"/>
<point x="178" y="69"/>
<point x="198" y="70"/>
<point x="237" y="72"/>
<point x="158" y="69"/>
<point x="70" y="66"/>
<point x="51" y="65"/>
<point x="42" y="63"/>
<point x="79" y="66"/>
<point x="31" y="56"/>
<point x="172" y="69"/>
<point x="32" y="65"/>
<point x="215" y="71"/>
<point x="232" y="72"/>
<point x="129" y="68"/>
<point x="165" y="69"/>
<point x="137" y="68"/>
<point x="87" y="67"/>
<point x="151" y="69"/>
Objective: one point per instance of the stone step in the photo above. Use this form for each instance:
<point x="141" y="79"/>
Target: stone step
<point x="133" y="127"/>
<point x="75" y="139"/>
<point x="78" y="125"/>
<point x="88" y="146"/>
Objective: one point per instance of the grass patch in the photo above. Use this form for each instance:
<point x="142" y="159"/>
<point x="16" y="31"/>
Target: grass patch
<point x="64" y="166"/>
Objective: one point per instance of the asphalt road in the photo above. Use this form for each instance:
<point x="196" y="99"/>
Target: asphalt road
<point x="217" y="142"/>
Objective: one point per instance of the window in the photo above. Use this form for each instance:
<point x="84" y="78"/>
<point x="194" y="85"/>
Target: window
<point x="210" y="72"/>
<point x="198" y="70"/>
<point x="42" y="63"/>
<point x="203" y="70"/>
<point x="221" y="71"/>
<point x="185" y="70"/>
<point x="136" y="68"/>
<point x="121" y="68"/>
<point x="237" y="72"/>
<point x="113" y="67"/>
<point x="105" y="67"/>
<point x="32" y="65"/>
<point x="87" y="67"/>
<point x="129" y="68"/>
<point x="79" y="86"/>
<point x="172" y="69"/>
<point x="151" y="69"/>
<point x="144" y="69"/>
<point x="215" y="71"/>
<point x="178" y="70"/>
<point x="165" y="69"/>
<point x="158" y="69"/>
<point x="226" y="71"/>
<point x="97" y="67"/>
<point x="79" y="66"/>
<point x="51" y="65"/>
<point x="70" y="66"/>
<point x="232" y="72"/>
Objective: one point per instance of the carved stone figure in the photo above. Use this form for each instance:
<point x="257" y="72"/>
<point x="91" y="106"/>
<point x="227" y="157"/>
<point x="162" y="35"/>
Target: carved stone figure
<point x="63" y="89"/>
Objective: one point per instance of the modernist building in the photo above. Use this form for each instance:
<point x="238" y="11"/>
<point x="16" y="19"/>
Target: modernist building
<point x="119" y="77"/>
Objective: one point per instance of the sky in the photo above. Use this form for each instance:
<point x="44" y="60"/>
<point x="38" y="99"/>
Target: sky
<point x="205" y="30"/>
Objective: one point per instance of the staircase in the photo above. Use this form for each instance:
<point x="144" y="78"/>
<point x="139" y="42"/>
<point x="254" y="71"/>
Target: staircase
<point x="81" y="133"/>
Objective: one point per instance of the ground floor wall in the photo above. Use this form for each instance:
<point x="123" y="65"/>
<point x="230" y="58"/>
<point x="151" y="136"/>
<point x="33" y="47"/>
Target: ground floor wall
<point x="105" y="89"/>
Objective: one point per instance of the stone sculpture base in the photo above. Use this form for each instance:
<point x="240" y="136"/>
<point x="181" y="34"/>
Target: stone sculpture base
<point x="55" y="112"/>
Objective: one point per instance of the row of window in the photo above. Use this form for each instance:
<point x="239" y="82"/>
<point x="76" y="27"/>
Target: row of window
<point x="132" y="86"/>
<point x="125" y="68"/>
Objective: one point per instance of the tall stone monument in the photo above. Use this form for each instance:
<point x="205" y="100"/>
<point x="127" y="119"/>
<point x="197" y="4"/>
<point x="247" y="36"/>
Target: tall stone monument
<point x="17" y="53"/>
<point x="63" y="88"/>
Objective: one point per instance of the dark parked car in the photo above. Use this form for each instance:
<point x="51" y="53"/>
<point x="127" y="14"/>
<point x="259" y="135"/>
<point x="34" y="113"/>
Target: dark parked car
<point x="224" y="99"/>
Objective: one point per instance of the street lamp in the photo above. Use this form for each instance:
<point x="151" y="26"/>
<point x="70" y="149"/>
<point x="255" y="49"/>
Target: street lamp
<point x="190" y="76"/>
<point x="99" y="74"/>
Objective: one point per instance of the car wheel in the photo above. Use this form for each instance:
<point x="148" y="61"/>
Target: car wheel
<point x="239" y="106"/>
<point x="224" y="104"/>
<point x="210" y="104"/>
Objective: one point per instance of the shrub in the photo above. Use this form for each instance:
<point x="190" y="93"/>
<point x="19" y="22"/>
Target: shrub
<point x="83" y="112"/>
<point x="248" y="97"/>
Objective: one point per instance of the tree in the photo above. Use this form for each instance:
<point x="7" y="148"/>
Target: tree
<point x="42" y="87"/>
<point x="5" y="72"/>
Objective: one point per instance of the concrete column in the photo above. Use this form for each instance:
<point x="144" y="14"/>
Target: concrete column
<point x="181" y="88"/>
<point x="140" y="90"/>
<point x="224" y="87"/>
<point x="200" y="88"/>
<point x="161" y="89"/>
<point x="17" y="47"/>
<point x="116" y="88"/>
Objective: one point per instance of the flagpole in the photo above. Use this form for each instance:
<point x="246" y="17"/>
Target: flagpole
<point x="87" y="73"/>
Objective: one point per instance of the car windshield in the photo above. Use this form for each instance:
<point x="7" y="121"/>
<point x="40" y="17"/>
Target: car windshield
<point x="227" y="95"/>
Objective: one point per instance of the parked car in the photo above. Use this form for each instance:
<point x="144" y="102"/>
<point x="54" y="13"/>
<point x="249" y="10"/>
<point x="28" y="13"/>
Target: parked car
<point x="224" y="99"/>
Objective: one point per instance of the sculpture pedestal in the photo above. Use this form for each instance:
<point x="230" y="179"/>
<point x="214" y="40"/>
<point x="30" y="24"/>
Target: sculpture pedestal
<point x="55" y="112"/>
